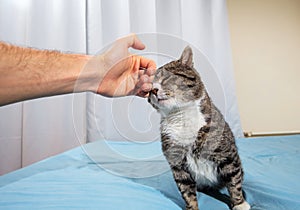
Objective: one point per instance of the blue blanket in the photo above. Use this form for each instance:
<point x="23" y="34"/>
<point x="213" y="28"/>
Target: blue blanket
<point x="129" y="175"/>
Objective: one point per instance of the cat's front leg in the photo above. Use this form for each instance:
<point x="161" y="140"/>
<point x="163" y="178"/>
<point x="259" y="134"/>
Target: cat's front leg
<point x="234" y="187"/>
<point x="187" y="187"/>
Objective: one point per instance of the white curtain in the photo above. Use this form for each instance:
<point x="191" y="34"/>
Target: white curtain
<point x="35" y="129"/>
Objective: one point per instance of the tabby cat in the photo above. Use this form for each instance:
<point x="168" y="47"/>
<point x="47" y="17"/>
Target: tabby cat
<point x="196" y="141"/>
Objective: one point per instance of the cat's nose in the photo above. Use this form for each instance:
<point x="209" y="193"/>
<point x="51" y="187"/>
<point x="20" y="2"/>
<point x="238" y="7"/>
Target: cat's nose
<point x="154" y="91"/>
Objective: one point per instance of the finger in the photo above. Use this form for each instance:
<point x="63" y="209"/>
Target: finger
<point x="149" y="64"/>
<point x="142" y="71"/>
<point x="143" y="79"/>
<point x="132" y="40"/>
<point x="151" y="78"/>
<point x="146" y="87"/>
<point x="137" y="44"/>
<point x="150" y="72"/>
<point x="144" y="90"/>
<point x="143" y="94"/>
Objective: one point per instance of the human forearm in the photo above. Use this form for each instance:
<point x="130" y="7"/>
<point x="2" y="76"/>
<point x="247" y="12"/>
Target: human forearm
<point x="28" y="73"/>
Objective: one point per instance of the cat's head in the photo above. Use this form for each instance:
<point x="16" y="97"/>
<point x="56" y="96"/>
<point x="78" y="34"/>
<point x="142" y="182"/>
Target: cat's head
<point x="176" y="84"/>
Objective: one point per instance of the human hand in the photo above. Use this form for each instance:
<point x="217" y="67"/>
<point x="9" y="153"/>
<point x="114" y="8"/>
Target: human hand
<point x="124" y="73"/>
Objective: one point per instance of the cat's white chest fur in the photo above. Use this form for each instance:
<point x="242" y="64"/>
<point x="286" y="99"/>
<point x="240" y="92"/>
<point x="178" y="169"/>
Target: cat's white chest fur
<point x="203" y="171"/>
<point x="183" y="126"/>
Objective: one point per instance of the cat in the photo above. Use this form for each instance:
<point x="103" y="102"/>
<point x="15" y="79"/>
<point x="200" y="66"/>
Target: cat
<point x="196" y="140"/>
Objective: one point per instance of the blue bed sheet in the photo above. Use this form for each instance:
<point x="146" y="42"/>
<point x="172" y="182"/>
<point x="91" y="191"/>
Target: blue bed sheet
<point x="129" y="175"/>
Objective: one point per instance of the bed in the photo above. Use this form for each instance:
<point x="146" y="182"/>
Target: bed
<point x="130" y="175"/>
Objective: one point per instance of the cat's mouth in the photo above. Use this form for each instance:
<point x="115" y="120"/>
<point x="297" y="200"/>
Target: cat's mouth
<point x="162" y="101"/>
<point x="159" y="99"/>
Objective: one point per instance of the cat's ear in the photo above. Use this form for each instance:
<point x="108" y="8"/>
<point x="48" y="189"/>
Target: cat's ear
<point x="187" y="56"/>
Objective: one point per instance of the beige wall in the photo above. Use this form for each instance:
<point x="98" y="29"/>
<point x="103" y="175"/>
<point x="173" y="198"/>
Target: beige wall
<point x="265" y="40"/>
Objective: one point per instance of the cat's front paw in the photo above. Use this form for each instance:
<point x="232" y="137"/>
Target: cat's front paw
<point x="191" y="208"/>
<point x="242" y="206"/>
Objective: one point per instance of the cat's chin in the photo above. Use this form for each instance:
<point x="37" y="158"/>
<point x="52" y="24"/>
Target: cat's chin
<point x="164" y="105"/>
<point x="168" y="107"/>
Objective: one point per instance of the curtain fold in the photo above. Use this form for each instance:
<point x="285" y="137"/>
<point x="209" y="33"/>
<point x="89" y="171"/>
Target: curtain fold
<point x="50" y="124"/>
<point x="13" y="21"/>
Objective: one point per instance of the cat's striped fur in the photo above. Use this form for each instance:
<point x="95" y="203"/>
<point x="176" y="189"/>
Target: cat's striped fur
<point x="196" y="140"/>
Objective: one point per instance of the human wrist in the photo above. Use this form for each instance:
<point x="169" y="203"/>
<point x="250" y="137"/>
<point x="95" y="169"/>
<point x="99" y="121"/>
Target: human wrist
<point x="91" y="73"/>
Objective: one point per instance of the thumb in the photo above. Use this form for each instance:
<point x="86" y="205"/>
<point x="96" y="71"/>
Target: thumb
<point x="132" y="41"/>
